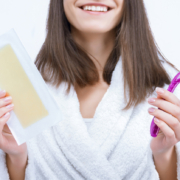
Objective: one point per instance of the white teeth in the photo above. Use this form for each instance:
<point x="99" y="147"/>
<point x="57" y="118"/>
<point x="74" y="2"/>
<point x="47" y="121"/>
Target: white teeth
<point x="105" y="9"/>
<point x="98" y="8"/>
<point x="95" y="8"/>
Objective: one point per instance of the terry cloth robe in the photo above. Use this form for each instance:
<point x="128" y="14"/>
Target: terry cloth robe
<point x="116" y="146"/>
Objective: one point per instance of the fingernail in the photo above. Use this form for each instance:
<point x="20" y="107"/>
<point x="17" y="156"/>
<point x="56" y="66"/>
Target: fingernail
<point x="10" y="106"/>
<point x="151" y="100"/>
<point x="2" y="92"/>
<point x="6" y="115"/>
<point x="151" y="110"/>
<point x="156" y="120"/>
<point x="159" y="90"/>
<point x="9" y="98"/>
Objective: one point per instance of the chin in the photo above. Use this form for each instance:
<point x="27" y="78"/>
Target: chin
<point x="95" y="28"/>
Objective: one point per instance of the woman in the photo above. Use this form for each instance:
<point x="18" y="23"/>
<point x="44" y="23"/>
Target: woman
<point x="101" y="64"/>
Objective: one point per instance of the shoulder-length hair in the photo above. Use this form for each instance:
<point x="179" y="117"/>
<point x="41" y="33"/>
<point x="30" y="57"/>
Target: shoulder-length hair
<point x="61" y="59"/>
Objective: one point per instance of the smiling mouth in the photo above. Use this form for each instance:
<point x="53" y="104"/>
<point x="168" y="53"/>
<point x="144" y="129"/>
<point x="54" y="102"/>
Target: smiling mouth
<point x="94" y="8"/>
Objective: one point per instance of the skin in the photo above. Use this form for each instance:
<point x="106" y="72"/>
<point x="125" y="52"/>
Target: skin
<point x="96" y="35"/>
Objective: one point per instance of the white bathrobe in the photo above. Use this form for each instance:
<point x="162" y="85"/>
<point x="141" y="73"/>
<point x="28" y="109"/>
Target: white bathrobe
<point x="116" y="146"/>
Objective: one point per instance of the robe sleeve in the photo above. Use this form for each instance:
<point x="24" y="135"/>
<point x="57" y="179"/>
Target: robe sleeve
<point x="3" y="168"/>
<point x="30" y="168"/>
<point x="152" y="168"/>
<point x="177" y="148"/>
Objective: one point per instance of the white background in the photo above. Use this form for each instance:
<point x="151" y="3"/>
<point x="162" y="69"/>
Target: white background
<point x="28" y="18"/>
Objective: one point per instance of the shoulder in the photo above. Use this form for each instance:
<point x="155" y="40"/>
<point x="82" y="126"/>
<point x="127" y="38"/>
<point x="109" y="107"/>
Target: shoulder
<point x="56" y="91"/>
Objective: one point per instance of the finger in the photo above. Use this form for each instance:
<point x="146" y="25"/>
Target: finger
<point x="168" y="96"/>
<point x="166" y="106"/>
<point x="5" y="109"/>
<point x="2" y="93"/>
<point x="5" y="101"/>
<point x="171" y="121"/>
<point x="167" y="131"/>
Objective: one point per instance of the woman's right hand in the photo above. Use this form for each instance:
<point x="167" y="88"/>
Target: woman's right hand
<point x="7" y="142"/>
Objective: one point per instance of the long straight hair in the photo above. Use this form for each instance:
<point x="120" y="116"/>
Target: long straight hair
<point x="62" y="59"/>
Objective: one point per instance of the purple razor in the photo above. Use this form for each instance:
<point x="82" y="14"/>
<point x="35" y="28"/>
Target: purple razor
<point x="154" y="129"/>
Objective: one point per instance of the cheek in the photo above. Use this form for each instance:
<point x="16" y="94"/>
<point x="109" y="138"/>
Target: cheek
<point x="116" y="18"/>
<point x="119" y="11"/>
<point x="71" y="12"/>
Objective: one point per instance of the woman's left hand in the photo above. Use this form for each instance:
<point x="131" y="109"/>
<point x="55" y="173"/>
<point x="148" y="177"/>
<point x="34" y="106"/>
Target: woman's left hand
<point x="169" y="121"/>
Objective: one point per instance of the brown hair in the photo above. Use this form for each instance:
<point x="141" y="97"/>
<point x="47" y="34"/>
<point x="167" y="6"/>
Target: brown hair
<point x="61" y="59"/>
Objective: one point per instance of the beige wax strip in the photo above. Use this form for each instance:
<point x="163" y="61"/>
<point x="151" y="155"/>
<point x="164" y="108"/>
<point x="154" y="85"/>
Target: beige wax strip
<point x="28" y="107"/>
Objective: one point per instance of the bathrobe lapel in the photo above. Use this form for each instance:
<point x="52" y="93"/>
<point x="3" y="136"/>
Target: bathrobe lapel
<point x="88" y="149"/>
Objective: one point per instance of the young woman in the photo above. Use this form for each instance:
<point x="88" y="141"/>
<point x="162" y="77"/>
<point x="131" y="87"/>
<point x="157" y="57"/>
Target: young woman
<point x="101" y="65"/>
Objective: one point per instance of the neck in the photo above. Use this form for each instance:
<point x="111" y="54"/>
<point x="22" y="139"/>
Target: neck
<point x="97" y="45"/>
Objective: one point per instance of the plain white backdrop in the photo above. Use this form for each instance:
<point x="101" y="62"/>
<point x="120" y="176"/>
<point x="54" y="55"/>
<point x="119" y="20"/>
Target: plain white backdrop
<point x="28" y="18"/>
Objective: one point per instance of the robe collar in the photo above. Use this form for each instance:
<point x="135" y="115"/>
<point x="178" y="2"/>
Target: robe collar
<point x="90" y="149"/>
